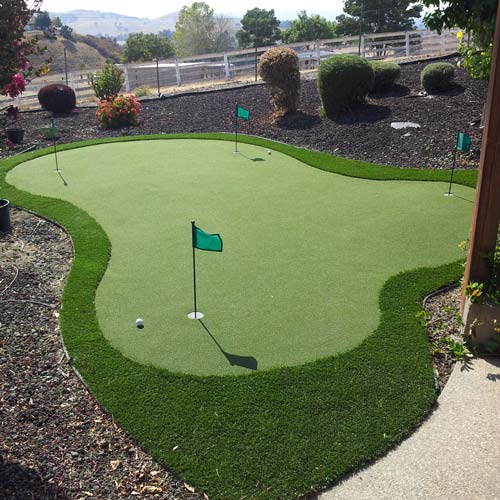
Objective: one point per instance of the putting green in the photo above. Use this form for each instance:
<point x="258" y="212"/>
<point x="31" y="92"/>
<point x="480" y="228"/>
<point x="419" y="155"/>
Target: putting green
<point x="306" y="252"/>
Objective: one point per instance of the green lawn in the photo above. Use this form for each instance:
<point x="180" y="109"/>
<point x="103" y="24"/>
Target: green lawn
<point x="274" y="433"/>
<point x="305" y="250"/>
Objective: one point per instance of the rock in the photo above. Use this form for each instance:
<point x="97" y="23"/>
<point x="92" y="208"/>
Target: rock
<point x="403" y="125"/>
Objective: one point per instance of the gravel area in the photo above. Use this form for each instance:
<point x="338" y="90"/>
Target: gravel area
<point x="55" y="440"/>
<point x="364" y="133"/>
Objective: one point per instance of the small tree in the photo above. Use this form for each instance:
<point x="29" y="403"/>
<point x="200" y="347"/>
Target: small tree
<point x="194" y="30"/>
<point x="67" y="32"/>
<point x="15" y="49"/>
<point x="108" y="83"/>
<point x="279" y="68"/>
<point x="42" y="21"/>
<point x="306" y="28"/>
<point x="57" y="23"/>
<point x="145" y="47"/>
<point x="258" y="27"/>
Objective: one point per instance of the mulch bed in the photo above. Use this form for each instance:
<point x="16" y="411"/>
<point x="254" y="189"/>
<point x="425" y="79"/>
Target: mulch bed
<point x="55" y="440"/>
<point x="364" y="133"/>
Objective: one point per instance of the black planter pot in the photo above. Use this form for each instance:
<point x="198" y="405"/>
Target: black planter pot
<point x="15" y="135"/>
<point x="4" y="216"/>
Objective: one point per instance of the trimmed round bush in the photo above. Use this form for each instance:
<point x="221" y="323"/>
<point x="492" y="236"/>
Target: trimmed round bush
<point x="57" y="97"/>
<point x="279" y="68"/>
<point x="437" y="76"/>
<point x="344" y="80"/>
<point x="386" y="74"/>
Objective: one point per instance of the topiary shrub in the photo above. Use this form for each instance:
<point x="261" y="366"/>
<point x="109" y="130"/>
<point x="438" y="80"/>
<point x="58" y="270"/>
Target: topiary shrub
<point x="386" y="74"/>
<point x="279" y="68"/>
<point x="344" y="80"/>
<point x="436" y="77"/>
<point x="108" y="83"/>
<point x="57" y="97"/>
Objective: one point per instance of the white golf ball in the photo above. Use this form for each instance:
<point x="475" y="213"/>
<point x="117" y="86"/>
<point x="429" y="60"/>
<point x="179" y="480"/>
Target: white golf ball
<point x="269" y="152"/>
<point x="139" y="322"/>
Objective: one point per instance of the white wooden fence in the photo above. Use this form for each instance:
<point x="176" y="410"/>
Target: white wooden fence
<point x="169" y="75"/>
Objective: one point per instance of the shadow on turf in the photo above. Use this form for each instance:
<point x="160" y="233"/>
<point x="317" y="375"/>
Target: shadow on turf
<point x="250" y="158"/>
<point x="234" y="359"/>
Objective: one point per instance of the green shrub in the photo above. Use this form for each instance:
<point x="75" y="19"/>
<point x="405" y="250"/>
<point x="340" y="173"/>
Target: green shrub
<point x="344" y="80"/>
<point x="57" y="97"/>
<point x="437" y="76"/>
<point x="142" y="91"/>
<point x="279" y="68"/>
<point x="386" y="74"/>
<point x="108" y="83"/>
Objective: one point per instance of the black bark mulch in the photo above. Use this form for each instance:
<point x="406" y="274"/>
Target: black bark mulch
<point x="55" y="441"/>
<point x="364" y="133"/>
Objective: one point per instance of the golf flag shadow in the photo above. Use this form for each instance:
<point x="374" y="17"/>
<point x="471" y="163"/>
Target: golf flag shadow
<point x="248" y="362"/>
<point x="250" y="158"/>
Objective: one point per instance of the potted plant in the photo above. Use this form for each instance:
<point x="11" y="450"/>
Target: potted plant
<point x="4" y="216"/>
<point x="14" y="132"/>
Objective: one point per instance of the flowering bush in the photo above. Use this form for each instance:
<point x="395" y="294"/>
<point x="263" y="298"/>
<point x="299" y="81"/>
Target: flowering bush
<point x="118" y="111"/>
<point x="477" y="62"/>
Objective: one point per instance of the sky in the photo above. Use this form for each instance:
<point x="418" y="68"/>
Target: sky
<point x="285" y="9"/>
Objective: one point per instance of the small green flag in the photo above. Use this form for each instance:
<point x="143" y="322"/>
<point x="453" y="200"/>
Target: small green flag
<point x="205" y="241"/>
<point x="242" y="113"/>
<point x="53" y="128"/>
<point x="463" y="142"/>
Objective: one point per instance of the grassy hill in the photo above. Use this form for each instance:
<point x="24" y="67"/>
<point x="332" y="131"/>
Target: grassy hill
<point x="84" y="52"/>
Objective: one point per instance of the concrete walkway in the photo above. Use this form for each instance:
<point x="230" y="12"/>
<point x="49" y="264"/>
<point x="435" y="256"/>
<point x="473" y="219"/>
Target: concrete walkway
<point x="454" y="455"/>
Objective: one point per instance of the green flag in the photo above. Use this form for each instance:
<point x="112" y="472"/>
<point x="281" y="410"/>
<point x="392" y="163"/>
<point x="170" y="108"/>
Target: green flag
<point x="242" y="113"/>
<point x="463" y="142"/>
<point x="205" y="241"/>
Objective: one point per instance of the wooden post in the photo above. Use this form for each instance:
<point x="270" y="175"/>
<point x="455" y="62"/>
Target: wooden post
<point x="484" y="230"/>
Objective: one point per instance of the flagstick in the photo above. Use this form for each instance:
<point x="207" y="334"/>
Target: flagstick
<point x="54" y="142"/>
<point x="194" y="266"/>
<point x="236" y="129"/>
<point x="452" y="168"/>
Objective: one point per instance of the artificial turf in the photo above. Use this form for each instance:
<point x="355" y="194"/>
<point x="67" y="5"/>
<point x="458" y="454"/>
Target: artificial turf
<point x="305" y="250"/>
<point x="273" y="434"/>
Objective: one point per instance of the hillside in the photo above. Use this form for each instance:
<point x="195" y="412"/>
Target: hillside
<point x="91" y="22"/>
<point x="79" y="54"/>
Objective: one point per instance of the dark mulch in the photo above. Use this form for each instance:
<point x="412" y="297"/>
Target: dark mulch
<point x="55" y="440"/>
<point x="363" y="133"/>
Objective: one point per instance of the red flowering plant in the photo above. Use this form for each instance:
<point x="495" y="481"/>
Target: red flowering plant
<point x="15" y="50"/>
<point x="118" y="111"/>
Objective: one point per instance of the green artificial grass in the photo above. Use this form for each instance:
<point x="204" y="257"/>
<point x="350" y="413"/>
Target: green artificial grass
<point x="296" y="269"/>
<point x="273" y="434"/>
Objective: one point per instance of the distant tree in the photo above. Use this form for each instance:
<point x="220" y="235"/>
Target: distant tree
<point x="42" y="21"/>
<point x="56" y="22"/>
<point x="66" y="32"/>
<point x="145" y="47"/>
<point x="306" y="28"/>
<point x="166" y="33"/>
<point x="194" y="30"/>
<point x="378" y="16"/>
<point x="222" y="38"/>
<point x="258" y="27"/>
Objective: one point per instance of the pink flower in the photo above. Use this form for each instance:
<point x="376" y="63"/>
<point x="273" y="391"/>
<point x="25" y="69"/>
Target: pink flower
<point x="9" y="144"/>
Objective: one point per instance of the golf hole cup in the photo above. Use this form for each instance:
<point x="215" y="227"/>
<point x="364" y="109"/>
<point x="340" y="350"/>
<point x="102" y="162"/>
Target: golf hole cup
<point x="139" y="322"/>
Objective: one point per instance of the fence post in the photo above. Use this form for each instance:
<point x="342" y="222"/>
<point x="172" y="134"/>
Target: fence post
<point x="226" y="67"/>
<point x="318" y="53"/>
<point x="362" y="49"/>
<point x="177" y="72"/>
<point x="125" y="74"/>
<point x="443" y="42"/>
<point x="407" y="43"/>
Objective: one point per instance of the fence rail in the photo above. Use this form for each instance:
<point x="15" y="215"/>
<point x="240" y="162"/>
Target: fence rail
<point x="167" y="75"/>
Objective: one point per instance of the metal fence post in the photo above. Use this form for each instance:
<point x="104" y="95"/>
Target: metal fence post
<point x="177" y="72"/>
<point x="362" y="49"/>
<point x="318" y="52"/>
<point x="226" y="67"/>
<point x="407" y="43"/>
